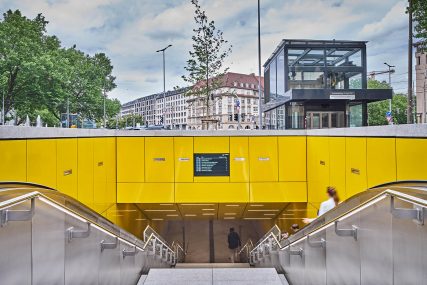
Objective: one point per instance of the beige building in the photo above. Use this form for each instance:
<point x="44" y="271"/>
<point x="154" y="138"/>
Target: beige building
<point x="421" y="85"/>
<point x="236" y="89"/>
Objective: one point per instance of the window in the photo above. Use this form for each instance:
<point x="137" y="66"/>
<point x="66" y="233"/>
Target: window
<point x="241" y="84"/>
<point x="418" y="60"/>
<point x="235" y="84"/>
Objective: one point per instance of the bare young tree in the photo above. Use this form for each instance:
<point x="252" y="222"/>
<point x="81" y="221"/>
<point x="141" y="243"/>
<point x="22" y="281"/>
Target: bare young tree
<point x="205" y="67"/>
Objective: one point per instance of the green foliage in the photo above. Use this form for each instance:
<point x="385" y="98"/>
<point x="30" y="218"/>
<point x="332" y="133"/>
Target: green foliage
<point x="38" y="76"/>
<point x="205" y="66"/>
<point x="126" y="121"/>
<point x="420" y="18"/>
<point x="377" y="110"/>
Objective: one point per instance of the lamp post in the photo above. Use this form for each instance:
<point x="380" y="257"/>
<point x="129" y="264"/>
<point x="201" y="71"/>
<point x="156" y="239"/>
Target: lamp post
<point x="259" y="67"/>
<point x="164" y="84"/>
<point x="2" y="110"/>
<point x="390" y="71"/>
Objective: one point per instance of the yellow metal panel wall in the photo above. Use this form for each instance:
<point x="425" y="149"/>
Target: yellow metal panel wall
<point x="100" y="170"/>
<point x="145" y="193"/>
<point x="381" y="160"/>
<point x="111" y="170"/>
<point x="292" y="158"/>
<point x="183" y="152"/>
<point x="337" y="165"/>
<point x="317" y="168"/>
<point x="355" y="166"/>
<point x="67" y="166"/>
<point x="159" y="159"/>
<point x="13" y="160"/>
<point x="211" y="192"/>
<point x="411" y="157"/>
<point x="212" y="145"/>
<point x="273" y="192"/>
<point x="85" y="167"/>
<point x="263" y="159"/>
<point x="130" y="159"/>
<point x="41" y="162"/>
<point x="239" y="159"/>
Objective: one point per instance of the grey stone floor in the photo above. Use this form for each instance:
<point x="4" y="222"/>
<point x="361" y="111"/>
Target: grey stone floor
<point x="212" y="276"/>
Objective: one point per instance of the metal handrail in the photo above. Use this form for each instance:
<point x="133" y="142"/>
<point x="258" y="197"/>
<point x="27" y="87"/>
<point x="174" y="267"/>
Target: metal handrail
<point x="37" y="195"/>
<point x="248" y="244"/>
<point x="376" y="198"/>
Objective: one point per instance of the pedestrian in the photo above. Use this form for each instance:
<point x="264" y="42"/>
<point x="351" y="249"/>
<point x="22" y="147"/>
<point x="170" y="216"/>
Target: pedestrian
<point x="233" y="244"/>
<point x="327" y="205"/>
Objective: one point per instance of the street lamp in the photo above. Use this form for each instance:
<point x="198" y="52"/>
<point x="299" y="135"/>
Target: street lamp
<point x="390" y="71"/>
<point x="259" y="67"/>
<point x="164" y="84"/>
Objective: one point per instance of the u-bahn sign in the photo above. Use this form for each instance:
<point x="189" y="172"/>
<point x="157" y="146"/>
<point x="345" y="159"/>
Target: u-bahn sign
<point x="211" y="164"/>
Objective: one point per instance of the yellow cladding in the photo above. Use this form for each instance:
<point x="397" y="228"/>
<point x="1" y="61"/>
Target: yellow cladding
<point x="269" y="192"/>
<point x="130" y="159"/>
<point x="13" y="160"/>
<point x="239" y="159"/>
<point x="159" y="164"/>
<point x="211" y="192"/>
<point x="41" y="162"/>
<point x="67" y="166"/>
<point x="411" y="157"/>
<point x="381" y="161"/>
<point x="337" y="166"/>
<point x="211" y="145"/>
<point x="183" y="152"/>
<point x="292" y="158"/>
<point x="145" y="193"/>
<point x="317" y="168"/>
<point x="355" y="166"/>
<point x="263" y="159"/>
<point x="85" y="167"/>
<point x="99" y="170"/>
<point x="111" y="170"/>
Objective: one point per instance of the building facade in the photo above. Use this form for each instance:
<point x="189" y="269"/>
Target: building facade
<point x="421" y="85"/>
<point x="312" y="84"/>
<point x="154" y="109"/>
<point x="234" y="104"/>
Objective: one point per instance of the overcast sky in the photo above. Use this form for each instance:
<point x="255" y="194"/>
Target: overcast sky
<point x="130" y="31"/>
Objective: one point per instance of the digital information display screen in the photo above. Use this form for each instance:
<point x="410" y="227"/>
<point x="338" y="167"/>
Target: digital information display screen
<point x="211" y="164"/>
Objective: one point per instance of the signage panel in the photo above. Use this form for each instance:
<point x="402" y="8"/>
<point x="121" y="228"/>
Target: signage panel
<point x="211" y="164"/>
<point x="342" y="95"/>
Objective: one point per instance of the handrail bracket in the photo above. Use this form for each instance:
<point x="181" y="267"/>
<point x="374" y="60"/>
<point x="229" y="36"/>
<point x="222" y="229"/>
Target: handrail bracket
<point x="8" y="215"/>
<point x="299" y="251"/>
<point x="109" y="245"/>
<point x="72" y="233"/>
<point x="318" y="243"/>
<point x="129" y="252"/>
<point x="346" y="232"/>
<point x="416" y="213"/>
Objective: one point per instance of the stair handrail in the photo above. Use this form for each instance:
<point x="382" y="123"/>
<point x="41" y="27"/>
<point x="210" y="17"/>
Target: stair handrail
<point x="248" y="246"/>
<point x="4" y="205"/>
<point x="416" y="214"/>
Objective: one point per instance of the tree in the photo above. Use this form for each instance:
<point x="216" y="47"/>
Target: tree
<point x="377" y="110"/>
<point x="420" y="17"/>
<point x="205" y="66"/>
<point x="39" y="77"/>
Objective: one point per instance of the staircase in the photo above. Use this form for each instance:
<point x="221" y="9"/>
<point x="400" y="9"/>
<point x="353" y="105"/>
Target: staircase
<point x="211" y="274"/>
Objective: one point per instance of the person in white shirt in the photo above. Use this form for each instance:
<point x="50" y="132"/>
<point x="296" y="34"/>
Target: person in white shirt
<point x="326" y="205"/>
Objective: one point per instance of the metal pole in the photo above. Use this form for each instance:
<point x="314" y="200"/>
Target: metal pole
<point x="389" y="83"/>
<point x="68" y="112"/>
<point x="164" y="92"/>
<point x="2" y="111"/>
<point x="104" y="109"/>
<point x="259" y="68"/>
<point x="409" y="107"/>
<point x="164" y="84"/>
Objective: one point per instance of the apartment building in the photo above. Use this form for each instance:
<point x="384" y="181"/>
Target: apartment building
<point x="234" y="102"/>
<point x="421" y="84"/>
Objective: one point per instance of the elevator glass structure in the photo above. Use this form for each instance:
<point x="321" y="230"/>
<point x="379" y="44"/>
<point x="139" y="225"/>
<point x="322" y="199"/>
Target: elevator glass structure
<point x="312" y="84"/>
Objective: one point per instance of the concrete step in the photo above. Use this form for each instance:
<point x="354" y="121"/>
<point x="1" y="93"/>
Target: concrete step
<point x="213" y="276"/>
<point x="283" y="279"/>
<point x="212" y="265"/>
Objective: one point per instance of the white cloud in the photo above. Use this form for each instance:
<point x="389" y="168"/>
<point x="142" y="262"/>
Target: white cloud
<point x="130" y="31"/>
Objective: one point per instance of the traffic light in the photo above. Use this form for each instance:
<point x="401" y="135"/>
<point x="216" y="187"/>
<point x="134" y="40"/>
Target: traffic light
<point x="236" y="117"/>
<point x="230" y="118"/>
